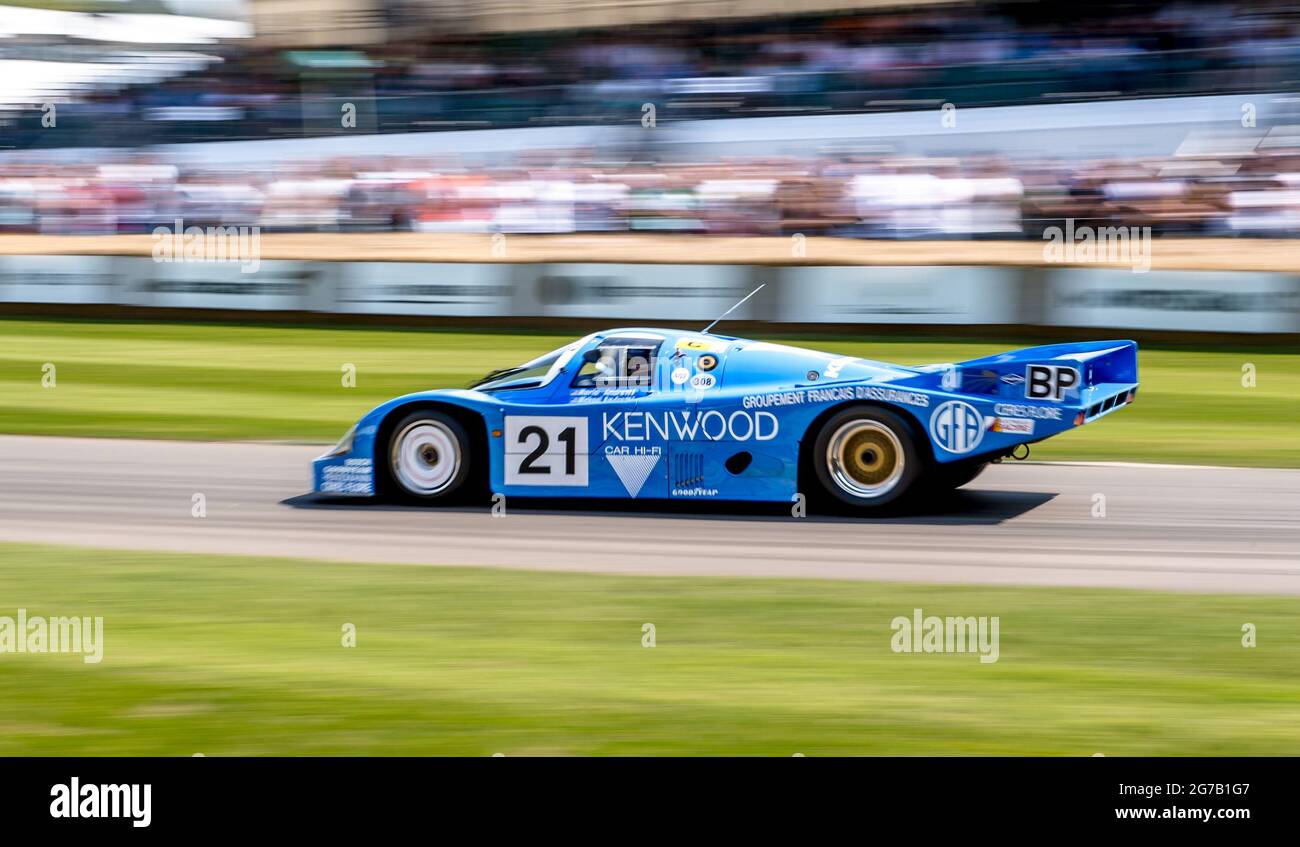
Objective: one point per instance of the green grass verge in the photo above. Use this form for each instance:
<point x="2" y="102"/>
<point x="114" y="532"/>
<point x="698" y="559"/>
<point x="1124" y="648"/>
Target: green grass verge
<point x="262" y="382"/>
<point x="242" y="656"/>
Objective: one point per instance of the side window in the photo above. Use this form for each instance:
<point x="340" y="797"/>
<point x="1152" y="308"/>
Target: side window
<point x="618" y="365"/>
<point x="599" y="370"/>
<point x="638" y="364"/>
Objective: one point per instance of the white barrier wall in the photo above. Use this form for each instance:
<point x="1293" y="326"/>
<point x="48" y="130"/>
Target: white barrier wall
<point x="273" y="286"/>
<point x="1195" y="302"/>
<point x="635" y="292"/>
<point x="641" y="293"/>
<point x="400" y="288"/>
<point x="898" y="295"/>
<point x="58" y="279"/>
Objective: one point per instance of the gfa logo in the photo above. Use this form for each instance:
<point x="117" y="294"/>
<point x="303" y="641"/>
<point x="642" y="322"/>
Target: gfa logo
<point x="1049" y="382"/>
<point x="957" y="427"/>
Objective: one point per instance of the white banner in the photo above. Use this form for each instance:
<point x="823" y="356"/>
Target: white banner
<point x="898" y="295"/>
<point x="57" y="279"/>
<point x="274" y="286"/>
<point x="406" y="288"/>
<point x="638" y="292"/>
<point x="1192" y="301"/>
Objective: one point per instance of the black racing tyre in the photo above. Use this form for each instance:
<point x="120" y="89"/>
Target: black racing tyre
<point x="866" y="457"/>
<point x="953" y="475"/>
<point x="426" y="458"/>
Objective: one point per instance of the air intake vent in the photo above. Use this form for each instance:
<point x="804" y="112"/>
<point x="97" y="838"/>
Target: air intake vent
<point x="736" y="464"/>
<point x="688" y="469"/>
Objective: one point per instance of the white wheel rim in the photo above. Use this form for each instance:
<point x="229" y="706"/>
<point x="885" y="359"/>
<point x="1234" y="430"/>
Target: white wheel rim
<point x="865" y="459"/>
<point x="425" y="457"/>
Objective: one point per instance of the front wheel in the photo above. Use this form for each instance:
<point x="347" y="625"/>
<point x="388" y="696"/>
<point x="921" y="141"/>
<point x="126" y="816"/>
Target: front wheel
<point x="427" y="457"/>
<point x="866" y="457"/>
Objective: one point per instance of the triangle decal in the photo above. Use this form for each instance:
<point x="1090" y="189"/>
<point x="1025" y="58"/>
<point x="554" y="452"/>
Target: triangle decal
<point x="633" y="469"/>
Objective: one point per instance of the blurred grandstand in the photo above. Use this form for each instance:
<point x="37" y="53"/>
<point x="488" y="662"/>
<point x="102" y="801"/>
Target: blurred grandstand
<point x="101" y="100"/>
<point x="856" y="196"/>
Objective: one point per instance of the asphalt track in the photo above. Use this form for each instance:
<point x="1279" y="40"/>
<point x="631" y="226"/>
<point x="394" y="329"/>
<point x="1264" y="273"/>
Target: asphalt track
<point x="1165" y="527"/>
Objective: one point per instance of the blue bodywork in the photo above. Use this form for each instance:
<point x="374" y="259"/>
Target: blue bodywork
<point x="733" y="431"/>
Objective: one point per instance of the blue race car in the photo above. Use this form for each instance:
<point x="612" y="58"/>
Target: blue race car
<point x="673" y="415"/>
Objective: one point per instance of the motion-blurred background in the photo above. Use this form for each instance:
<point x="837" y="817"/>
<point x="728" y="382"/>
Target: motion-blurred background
<point x="856" y="119"/>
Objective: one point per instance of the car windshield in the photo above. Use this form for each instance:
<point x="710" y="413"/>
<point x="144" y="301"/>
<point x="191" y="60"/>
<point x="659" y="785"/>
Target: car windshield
<point x="530" y="374"/>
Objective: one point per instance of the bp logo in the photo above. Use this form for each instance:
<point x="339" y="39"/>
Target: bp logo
<point x="957" y="427"/>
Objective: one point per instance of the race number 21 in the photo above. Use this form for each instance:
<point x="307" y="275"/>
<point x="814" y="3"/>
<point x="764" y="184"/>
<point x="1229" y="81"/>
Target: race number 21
<point x="546" y="450"/>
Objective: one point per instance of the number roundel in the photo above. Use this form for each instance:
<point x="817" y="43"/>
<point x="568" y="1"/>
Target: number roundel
<point x="546" y="450"/>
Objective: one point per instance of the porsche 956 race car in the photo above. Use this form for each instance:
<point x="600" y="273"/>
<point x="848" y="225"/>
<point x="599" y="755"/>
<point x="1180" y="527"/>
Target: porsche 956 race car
<point x="668" y="414"/>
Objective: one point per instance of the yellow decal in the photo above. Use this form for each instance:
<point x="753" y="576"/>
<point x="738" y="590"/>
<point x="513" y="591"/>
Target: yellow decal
<point x="701" y="345"/>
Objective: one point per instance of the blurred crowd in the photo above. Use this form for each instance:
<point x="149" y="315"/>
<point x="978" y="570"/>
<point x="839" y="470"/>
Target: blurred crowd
<point x="967" y="54"/>
<point x="841" y="194"/>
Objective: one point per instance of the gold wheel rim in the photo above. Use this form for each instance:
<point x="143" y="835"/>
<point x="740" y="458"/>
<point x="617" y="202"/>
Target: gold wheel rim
<point x="865" y="458"/>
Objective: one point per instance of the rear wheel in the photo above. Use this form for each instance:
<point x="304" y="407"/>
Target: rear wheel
<point x="427" y="457"/>
<point x="866" y="457"/>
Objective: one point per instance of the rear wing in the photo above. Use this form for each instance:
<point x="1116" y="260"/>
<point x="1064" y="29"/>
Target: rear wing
<point x="1090" y="378"/>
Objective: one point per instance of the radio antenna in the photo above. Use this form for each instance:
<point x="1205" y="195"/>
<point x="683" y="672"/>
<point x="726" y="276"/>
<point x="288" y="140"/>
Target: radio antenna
<point x="733" y="308"/>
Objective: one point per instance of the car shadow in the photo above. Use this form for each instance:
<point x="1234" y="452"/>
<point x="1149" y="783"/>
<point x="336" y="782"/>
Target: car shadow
<point x="964" y="507"/>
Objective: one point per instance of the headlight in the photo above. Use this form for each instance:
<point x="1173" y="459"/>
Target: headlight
<point x="345" y="443"/>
